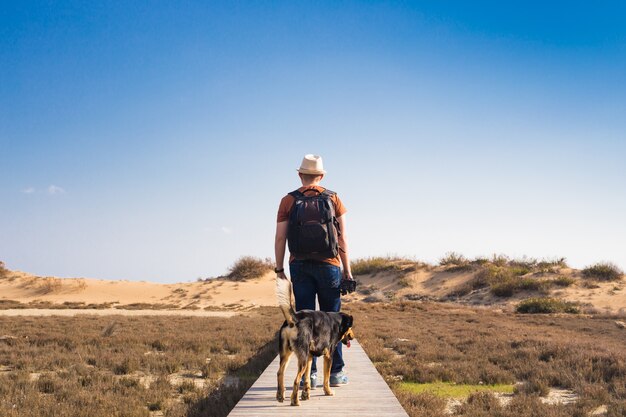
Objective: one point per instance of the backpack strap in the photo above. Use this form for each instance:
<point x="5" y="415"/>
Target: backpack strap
<point x="299" y="194"/>
<point x="296" y="194"/>
<point x="312" y="189"/>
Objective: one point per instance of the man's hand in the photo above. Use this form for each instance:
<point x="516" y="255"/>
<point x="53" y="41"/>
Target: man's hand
<point x="281" y="275"/>
<point x="348" y="285"/>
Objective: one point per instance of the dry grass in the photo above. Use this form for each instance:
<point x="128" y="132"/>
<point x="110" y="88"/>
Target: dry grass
<point x="130" y="366"/>
<point x="80" y="284"/>
<point x="430" y="342"/>
<point x="13" y="304"/>
<point x="3" y="270"/>
<point x="148" y="306"/>
<point x="603" y="271"/>
<point x="455" y="262"/>
<point x="50" y="285"/>
<point x="562" y="281"/>
<point x="249" y="267"/>
<point x="377" y="264"/>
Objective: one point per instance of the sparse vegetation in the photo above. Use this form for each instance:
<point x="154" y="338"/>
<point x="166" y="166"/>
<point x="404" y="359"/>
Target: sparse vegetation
<point x="13" y="304"/>
<point x="505" y="277"/>
<point x="80" y="284"/>
<point x="461" y="345"/>
<point x="3" y="270"/>
<point x="603" y="271"/>
<point x="453" y="258"/>
<point x="50" y="285"/>
<point x="455" y="262"/>
<point x="89" y="366"/>
<point x="377" y="264"/>
<point x="148" y="306"/>
<point x="547" y="305"/>
<point x="248" y="267"/>
<point x="563" y="281"/>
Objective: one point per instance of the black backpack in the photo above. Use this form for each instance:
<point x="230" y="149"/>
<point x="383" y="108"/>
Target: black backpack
<point x="313" y="230"/>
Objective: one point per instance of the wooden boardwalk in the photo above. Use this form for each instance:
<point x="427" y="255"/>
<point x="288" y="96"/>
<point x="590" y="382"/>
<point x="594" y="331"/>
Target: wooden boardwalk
<point x="367" y="394"/>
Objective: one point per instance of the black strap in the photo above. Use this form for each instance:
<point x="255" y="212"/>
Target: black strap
<point x="312" y="189"/>
<point x="300" y="194"/>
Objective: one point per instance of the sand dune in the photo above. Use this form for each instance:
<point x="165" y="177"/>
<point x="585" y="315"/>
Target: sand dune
<point x="216" y="294"/>
<point x="74" y="295"/>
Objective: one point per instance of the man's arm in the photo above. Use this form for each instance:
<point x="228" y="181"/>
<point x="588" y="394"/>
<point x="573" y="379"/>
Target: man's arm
<point x="343" y="247"/>
<point x="279" y="246"/>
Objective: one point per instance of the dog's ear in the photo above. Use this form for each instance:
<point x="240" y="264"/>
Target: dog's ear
<point x="346" y="322"/>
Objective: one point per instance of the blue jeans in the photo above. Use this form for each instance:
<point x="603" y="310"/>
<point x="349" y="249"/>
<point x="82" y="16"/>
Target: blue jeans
<point x="314" y="278"/>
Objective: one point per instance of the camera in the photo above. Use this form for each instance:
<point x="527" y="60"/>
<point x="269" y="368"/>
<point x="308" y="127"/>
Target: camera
<point x="347" y="286"/>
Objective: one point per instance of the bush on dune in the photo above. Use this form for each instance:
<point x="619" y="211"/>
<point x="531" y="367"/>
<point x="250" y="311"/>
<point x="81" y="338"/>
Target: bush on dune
<point x="248" y="267"/>
<point x="453" y="259"/>
<point x="603" y="271"/>
<point x="376" y="264"/>
<point x="547" y="306"/>
<point x="504" y="276"/>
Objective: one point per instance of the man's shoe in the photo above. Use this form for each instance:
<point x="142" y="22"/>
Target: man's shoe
<point x="313" y="381"/>
<point x="338" y="379"/>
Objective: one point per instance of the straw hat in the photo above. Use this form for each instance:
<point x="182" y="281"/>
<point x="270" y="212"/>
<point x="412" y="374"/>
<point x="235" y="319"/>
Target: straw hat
<point x="312" y="164"/>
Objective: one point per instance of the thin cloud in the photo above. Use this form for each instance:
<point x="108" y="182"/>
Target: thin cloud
<point x="226" y="230"/>
<point x="28" y="190"/>
<point x="53" y="189"/>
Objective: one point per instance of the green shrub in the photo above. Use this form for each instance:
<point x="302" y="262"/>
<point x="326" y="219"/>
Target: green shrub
<point x="509" y="286"/>
<point x="518" y="271"/>
<point x="248" y="267"/>
<point x="563" y="281"/>
<point x="603" y="271"/>
<point x="492" y="275"/>
<point x="504" y="289"/>
<point x="480" y="261"/>
<point x="545" y="305"/>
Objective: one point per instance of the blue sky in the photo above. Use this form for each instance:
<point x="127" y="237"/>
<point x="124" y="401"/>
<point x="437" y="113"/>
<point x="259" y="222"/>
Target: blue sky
<point x="154" y="140"/>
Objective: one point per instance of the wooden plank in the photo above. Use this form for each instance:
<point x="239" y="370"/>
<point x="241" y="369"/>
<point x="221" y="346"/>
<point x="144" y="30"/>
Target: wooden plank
<point x="367" y="393"/>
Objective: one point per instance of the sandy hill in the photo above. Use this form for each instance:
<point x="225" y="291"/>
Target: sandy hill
<point x="19" y="289"/>
<point x="501" y="286"/>
<point x="497" y="283"/>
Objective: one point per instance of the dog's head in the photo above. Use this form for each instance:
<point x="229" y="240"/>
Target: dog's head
<point x="346" y="329"/>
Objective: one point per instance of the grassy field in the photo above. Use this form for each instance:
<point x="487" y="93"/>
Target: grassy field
<point x="429" y="352"/>
<point x="131" y="366"/>
<point x="490" y="363"/>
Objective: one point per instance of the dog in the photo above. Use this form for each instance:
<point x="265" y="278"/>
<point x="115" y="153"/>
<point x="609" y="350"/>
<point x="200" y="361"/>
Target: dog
<point x="307" y="333"/>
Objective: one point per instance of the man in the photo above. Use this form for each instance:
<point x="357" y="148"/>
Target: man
<point x="315" y="276"/>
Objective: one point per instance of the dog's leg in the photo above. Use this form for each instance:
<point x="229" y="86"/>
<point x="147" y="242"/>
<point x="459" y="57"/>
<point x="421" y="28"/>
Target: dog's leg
<point x="296" y="383"/>
<point x="285" y="355"/>
<point x="328" y="362"/>
<point x="307" y="379"/>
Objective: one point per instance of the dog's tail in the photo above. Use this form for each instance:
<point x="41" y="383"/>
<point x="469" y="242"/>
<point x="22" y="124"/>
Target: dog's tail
<point x="284" y="292"/>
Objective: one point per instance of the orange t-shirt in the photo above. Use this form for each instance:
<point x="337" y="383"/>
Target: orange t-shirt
<point x="286" y="204"/>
